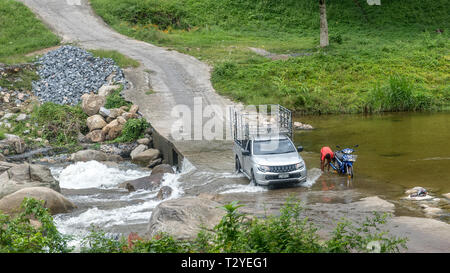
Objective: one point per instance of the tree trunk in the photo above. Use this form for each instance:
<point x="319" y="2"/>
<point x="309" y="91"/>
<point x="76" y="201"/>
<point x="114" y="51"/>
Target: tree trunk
<point x="323" y="24"/>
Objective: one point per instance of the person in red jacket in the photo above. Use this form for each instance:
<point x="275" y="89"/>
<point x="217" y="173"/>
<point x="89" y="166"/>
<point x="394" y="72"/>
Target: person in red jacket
<point x="326" y="153"/>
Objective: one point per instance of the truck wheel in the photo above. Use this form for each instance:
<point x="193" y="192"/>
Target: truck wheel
<point x="253" y="180"/>
<point x="237" y="165"/>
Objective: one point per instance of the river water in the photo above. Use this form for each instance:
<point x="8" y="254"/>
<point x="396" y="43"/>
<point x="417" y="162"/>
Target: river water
<point x="396" y="152"/>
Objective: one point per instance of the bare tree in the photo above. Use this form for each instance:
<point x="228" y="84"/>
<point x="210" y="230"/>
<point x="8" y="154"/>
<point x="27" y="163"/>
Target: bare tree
<point x="323" y="24"/>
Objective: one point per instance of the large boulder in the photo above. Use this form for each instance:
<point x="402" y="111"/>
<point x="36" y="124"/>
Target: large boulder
<point x="112" y="129"/>
<point x="88" y="155"/>
<point x="91" y="103"/>
<point x="164" y="193"/>
<point x="95" y="122"/>
<point x="54" y="201"/>
<point x="163" y="168"/>
<point x="184" y="218"/>
<point x="107" y="89"/>
<point x="95" y="136"/>
<point x="13" y="143"/>
<point x="139" y="149"/>
<point x="151" y="182"/>
<point x="14" y="177"/>
<point x="145" y="157"/>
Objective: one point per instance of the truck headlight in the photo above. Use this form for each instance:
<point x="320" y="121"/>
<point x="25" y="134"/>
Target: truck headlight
<point x="262" y="168"/>
<point x="299" y="166"/>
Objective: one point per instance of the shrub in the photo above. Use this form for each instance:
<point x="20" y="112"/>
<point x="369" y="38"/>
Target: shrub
<point x="17" y="235"/>
<point x="2" y="134"/>
<point x="132" y="130"/>
<point x="61" y="123"/>
<point x="115" y="100"/>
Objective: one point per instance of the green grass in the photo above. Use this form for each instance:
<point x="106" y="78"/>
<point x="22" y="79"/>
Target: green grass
<point x="21" y="32"/>
<point x="120" y="59"/>
<point x="115" y="100"/>
<point x="2" y="134"/>
<point x="368" y="50"/>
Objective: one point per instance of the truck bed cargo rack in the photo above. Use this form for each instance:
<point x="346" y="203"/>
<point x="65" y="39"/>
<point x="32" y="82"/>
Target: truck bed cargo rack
<point x="260" y="121"/>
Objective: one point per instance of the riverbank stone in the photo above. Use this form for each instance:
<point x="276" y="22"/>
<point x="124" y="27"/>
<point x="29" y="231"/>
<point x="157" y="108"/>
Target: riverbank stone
<point x="14" y="177"/>
<point x="54" y="201"/>
<point x="183" y="218"/>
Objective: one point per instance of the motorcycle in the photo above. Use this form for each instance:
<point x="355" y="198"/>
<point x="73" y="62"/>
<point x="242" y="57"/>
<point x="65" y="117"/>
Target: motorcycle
<point x="344" y="160"/>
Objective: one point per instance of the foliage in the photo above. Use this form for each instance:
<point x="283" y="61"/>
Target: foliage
<point x="97" y="241"/>
<point x="133" y="130"/>
<point x="288" y="232"/>
<point x="2" y="134"/>
<point x="21" y="32"/>
<point x="115" y="100"/>
<point x="61" y="123"/>
<point x="369" y="46"/>
<point x="18" y="235"/>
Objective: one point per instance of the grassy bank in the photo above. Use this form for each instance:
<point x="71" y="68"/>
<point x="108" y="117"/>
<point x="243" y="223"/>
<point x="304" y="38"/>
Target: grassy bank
<point x="21" y="33"/>
<point x="379" y="56"/>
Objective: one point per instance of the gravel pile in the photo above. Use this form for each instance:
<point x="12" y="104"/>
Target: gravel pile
<point x="69" y="72"/>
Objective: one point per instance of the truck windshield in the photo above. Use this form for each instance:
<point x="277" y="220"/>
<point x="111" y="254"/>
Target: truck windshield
<point x="268" y="147"/>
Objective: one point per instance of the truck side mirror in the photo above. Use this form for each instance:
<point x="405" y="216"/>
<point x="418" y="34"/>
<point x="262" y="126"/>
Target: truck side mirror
<point x="245" y="152"/>
<point x="300" y="149"/>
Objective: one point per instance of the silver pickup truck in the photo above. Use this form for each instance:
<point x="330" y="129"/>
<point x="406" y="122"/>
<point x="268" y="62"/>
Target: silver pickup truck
<point x="266" y="158"/>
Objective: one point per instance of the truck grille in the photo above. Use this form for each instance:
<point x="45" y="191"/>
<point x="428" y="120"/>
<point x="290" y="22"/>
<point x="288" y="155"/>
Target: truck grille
<point x="275" y="176"/>
<point x="282" y="169"/>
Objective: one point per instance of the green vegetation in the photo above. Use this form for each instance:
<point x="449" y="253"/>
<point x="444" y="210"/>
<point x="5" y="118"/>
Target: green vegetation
<point x="115" y="100"/>
<point x="236" y="232"/>
<point x="59" y="124"/>
<point x="21" y="32"/>
<point x="133" y="130"/>
<point x="18" y="235"/>
<point x="374" y="50"/>
<point x="120" y="59"/>
<point x="19" y="79"/>
<point x="2" y="134"/>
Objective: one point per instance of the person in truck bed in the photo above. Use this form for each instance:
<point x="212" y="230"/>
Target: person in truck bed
<point x="326" y="153"/>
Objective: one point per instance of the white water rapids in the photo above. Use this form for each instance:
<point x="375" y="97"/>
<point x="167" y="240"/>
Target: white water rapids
<point x="93" y="187"/>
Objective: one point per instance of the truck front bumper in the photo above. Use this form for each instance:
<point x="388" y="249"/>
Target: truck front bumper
<point x="268" y="178"/>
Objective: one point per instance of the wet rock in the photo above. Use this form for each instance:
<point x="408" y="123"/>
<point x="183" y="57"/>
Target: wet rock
<point x="145" y="157"/>
<point x="91" y="103"/>
<point x="144" y="141"/>
<point x="2" y="157"/>
<point x="54" y="201"/>
<point x="151" y="182"/>
<point x="139" y="149"/>
<point x="95" y="136"/>
<point x="122" y="149"/>
<point x="164" y="193"/>
<point x="14" y="177"/>
<point x="432" y="211"/>
<point x="302" y="126"/>
<point x="163" y="168"/>
<point x="88" y="155"/>
<point x="95" y="122"/>
<point x="190" y="213"/>
<point x="155" y="163"/>
<point x="416" y="190"/>
<point x="446" y="195"/>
